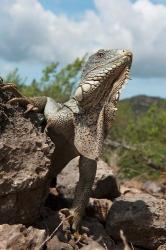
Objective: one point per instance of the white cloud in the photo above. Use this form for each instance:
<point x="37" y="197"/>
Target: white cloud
<point x="28" y="32"/>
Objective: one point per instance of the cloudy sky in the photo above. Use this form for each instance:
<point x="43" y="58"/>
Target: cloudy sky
<point x="34" y="33"/>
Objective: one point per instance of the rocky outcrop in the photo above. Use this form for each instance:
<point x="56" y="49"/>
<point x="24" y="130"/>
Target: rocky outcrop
<point x="105" y="184"/>
<point x="25" y="174"/>
<point x="142" y="219"/>
<point x="25" y="167"/>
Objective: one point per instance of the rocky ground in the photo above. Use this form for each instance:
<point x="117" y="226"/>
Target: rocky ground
<point x="129" y="216"/>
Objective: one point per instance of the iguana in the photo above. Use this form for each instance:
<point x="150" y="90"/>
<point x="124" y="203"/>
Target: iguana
<point x="79" y="126"/>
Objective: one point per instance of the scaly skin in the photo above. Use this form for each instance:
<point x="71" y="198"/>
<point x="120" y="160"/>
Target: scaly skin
<point x="79" y="126"/>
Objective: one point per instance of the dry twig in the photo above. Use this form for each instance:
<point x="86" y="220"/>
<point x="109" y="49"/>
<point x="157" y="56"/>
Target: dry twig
<point x="53" y="233"/>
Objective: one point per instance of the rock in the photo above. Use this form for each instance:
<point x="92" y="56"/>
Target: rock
<point x="151" y="187"/>
<point x="162" y="247"/>
<point x="121" y="246"/>
<point x="142" y="219"/>
<point x="49" y="220"/>
<point x="93" y="246"/>
<point x="56" y="244"/>
<point x="99" y="208"/>
<point x="25" y="167"/>
<point x="14" y="237"/>
<point x="126" y="191"/>
<point x="105" y="185"/>
<point x="97" y="233"/>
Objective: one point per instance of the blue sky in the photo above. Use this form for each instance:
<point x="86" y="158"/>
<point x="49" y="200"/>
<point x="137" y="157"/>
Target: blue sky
<point x="75" y="7"/>
<point x="69" y="7"/>
<point x="34" y="33"/>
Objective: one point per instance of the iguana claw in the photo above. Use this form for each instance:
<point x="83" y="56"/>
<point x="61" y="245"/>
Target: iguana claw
<point x="69" y="215"/>
<point x="72" y="218"/>
<point x="77" y="235"/>
<point x="30" y="107"/>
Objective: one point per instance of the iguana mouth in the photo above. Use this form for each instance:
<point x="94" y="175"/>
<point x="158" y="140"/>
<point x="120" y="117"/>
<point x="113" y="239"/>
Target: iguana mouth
<point x="105" y="78"/>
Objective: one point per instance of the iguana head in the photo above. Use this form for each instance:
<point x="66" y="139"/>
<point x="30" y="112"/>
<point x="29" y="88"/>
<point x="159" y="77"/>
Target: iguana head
<point x="103" y="76"/>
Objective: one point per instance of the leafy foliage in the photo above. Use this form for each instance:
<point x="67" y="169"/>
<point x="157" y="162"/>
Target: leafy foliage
<point x="146" y="135"/>
<point x="59" y="84"/>
<point x="55" y="82"/>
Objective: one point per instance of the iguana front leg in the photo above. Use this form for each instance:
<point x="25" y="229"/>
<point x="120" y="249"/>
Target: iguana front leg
<point x="87" y="167"/>
<point x="87" y="172"/>
<point x="32" y="103"/>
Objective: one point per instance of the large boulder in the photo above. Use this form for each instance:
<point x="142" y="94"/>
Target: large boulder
<point x="142" y="219"/>
<point x="105" y="184"/>
<point x="25" y="165"/>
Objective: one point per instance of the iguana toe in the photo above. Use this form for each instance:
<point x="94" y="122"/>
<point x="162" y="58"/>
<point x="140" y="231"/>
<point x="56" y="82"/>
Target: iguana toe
<point x="31" y="107"/>
<point x="73" y="218"/>
<point x="76" y="222"/>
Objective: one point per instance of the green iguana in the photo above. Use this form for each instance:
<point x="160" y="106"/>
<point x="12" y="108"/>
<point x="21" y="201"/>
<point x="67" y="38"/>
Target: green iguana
<point x="79" y="126"/>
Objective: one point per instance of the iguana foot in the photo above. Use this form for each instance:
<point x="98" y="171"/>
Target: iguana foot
<point x="78" y="235"/>
<point x="25" y="101"/>
<point x="74" y="221"/>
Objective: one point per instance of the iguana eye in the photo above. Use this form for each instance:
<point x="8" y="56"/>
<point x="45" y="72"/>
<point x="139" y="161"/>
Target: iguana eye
<point x="100" y="53"/>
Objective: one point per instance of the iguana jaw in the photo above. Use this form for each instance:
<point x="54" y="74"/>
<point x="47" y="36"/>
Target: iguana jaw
<point x="103" y="79"/>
